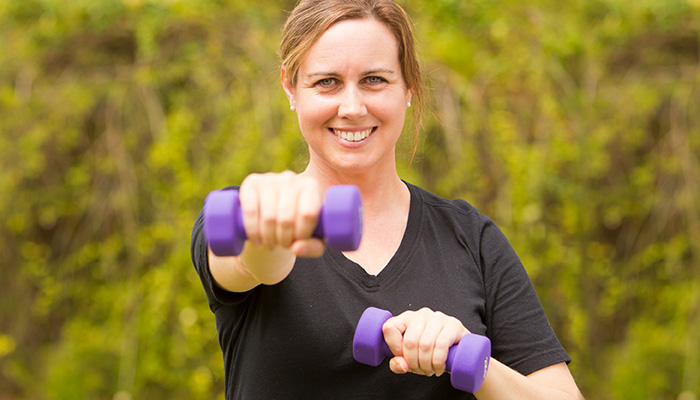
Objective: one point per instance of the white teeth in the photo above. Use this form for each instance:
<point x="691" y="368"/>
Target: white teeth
<point x="353" y="137"/>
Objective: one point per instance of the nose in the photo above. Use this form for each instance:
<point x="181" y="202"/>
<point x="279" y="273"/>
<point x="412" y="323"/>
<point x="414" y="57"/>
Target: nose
<point x="352" y="105"/>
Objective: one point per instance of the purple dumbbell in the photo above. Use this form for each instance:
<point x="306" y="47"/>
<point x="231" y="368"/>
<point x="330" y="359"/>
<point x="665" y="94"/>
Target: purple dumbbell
<point x="467" y="361"/>
<point x="340" y="220"/>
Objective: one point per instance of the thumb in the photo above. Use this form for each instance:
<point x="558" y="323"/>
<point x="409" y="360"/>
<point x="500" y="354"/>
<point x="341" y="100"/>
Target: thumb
<point x="308" y="248"/>
<point x="398" y="365"/>
<point x="393" y="330"/>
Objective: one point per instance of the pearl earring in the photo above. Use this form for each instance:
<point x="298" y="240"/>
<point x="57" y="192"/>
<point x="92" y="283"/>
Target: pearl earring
<point x="409" y="103"/>
<point x="292" y="108"/>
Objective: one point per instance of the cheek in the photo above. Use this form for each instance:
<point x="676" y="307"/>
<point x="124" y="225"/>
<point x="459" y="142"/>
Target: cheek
<point x="309" y="120"/>
<point x="314" y="111"/>
<point x="391" y="105"/>
<point x="393" y="113"/>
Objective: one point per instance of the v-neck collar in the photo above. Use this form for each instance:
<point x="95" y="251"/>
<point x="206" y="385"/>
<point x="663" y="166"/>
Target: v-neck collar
<point x="398" y="262"/>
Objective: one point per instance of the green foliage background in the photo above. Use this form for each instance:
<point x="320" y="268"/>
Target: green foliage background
<point x="575" y="125"/>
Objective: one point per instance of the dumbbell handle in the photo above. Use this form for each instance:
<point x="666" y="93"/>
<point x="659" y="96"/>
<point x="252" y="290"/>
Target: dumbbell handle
<point x="340" y="220"/>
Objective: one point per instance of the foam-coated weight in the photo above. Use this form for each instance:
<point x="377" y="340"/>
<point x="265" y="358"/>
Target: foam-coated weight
<point x="467" y="361"/>
<point x="223" y="223"/>
<point x="340" y="220"/>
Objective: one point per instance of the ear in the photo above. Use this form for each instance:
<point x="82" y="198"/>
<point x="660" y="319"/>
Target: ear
<point x="409" y="95"/>
<point x="287" y="85"/>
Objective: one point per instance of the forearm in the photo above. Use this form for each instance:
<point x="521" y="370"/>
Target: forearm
<point x="256" y="265"/>
<point x="502" y="382"/>
<point x="268" y="265"/>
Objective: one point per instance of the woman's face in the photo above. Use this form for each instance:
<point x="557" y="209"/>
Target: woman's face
<point x="351" y="98"/>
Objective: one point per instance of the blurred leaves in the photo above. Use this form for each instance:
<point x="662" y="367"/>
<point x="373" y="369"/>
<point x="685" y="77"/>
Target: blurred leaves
<point x="573" y="125"/>
<point x="575" y="128"/>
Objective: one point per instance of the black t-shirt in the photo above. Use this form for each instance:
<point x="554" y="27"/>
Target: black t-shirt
<point x="293" y="340"/>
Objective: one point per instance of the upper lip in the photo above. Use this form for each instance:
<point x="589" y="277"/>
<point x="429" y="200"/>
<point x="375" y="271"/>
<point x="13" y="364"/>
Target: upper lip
<point x="352" y="129"/>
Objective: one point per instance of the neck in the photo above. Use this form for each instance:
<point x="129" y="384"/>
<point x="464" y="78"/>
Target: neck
<point x="381" y="190"/>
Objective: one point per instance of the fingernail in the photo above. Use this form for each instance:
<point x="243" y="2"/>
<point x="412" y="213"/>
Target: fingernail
<point x="303" y="252"/>
<point x="403" y="368"/>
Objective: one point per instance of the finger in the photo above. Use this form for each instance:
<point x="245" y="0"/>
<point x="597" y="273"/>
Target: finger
<point x="250" y="208"/>
<point x="426" y="346"/>
<point x="453" y="330"/>
<point x="398" y="365"/>
<point x="308" y="248"/>
<point x="268" y="213"/>
<point x="286" y="211"/>
<point x="411" y="340"/>
<point x="308" y="209"/>
<point x="448" y="336"/>
<point x="393" y="330"/>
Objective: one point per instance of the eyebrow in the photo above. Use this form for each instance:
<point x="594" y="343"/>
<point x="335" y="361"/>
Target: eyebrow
<point x="365" y="73"/>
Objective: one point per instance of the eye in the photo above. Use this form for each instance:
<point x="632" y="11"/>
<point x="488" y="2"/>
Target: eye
<point x="326" y="82"/>
<point x="375" y="80"/>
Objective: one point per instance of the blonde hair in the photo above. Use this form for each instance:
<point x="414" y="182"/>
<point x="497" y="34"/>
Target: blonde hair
<point x="311" y="18"/>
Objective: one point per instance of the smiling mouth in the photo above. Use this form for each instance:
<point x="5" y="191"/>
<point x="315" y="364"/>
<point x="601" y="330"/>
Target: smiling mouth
<point x="352" y="136"/>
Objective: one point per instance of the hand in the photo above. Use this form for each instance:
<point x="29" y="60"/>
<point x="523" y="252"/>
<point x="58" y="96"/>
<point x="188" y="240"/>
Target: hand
<point x="420" y="341"/>
<point x="281" y="210"/>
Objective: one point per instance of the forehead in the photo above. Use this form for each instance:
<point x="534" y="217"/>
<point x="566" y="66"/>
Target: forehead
<point x="356" y="42"/>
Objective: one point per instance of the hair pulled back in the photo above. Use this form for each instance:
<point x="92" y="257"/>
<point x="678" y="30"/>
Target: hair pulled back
<point x="311" y="18"/>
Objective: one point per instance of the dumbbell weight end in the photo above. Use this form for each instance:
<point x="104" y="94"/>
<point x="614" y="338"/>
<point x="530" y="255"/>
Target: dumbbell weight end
<point x="368" y="345"/>
<point x="223" y="223"/>
<point x="468" y="362"/>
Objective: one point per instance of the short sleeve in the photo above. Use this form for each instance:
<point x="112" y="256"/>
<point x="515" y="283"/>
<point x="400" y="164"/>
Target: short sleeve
<point x="521" y="335"/>
<point x="215" y="294"/>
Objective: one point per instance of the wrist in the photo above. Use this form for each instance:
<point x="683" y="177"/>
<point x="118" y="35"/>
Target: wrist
<point x="268" y="266"/>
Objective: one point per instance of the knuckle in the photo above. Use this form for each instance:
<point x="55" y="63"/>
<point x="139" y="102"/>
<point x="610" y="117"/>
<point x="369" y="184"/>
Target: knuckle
<point x="410" y="344"/>
<point x="286" y="177"/>
<point x="250" y="213"/>
<point x="426" y="345"/>
<point x="285" y="222"/>
<point x="442" y="345"/>
<point x="251" y="179"/>
<point x="267" y="178"/>
<point x="455" y="322"/>
<point x="287" y="173"/>
<point x="269" y="219"/>
<point x="425" y="311"/>
<point x="388" y="327"/>
<point x="307" y="217"/>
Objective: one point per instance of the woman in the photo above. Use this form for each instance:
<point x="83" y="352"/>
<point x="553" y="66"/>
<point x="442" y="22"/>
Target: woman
<point x="286" y="308"/>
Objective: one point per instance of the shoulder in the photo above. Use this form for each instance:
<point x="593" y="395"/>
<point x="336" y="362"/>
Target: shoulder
<point x="459" y="210"/>
<point x="461" y="220"/>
